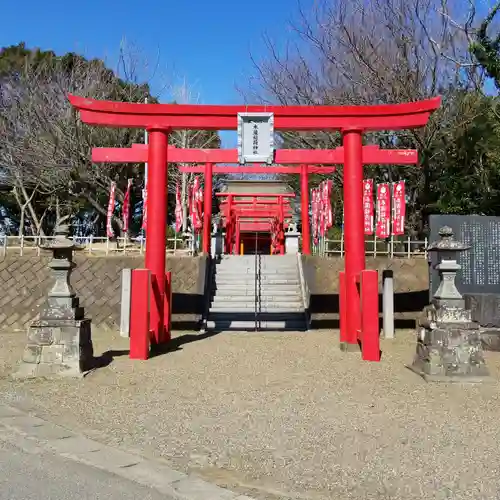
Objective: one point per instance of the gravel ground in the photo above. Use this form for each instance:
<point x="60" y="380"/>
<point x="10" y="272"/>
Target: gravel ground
<point x="284" y="416"/>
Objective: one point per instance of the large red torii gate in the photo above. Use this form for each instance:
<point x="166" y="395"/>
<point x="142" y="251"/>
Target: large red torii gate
<point x="352" y="121"/>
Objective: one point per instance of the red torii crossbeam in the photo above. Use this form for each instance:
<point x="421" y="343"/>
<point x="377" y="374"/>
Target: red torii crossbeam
<point x="209" y="117"/>
<point x="138" y="153"/>
<point x="352" y="121"/>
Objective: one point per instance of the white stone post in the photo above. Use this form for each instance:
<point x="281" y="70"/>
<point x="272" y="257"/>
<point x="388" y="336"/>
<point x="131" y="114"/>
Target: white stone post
<point x="388" y="303"/>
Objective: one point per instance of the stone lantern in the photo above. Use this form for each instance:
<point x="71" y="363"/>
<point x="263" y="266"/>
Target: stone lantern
<point x="449" y="344"/>
<point x="59" y="339"/>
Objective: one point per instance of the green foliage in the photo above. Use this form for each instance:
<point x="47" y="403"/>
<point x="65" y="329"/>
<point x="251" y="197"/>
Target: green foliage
<point x="486" y="49"/>
<point x="466" y="177"/>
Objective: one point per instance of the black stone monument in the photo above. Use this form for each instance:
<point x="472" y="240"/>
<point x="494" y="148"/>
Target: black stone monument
<point x="479" y="278"/>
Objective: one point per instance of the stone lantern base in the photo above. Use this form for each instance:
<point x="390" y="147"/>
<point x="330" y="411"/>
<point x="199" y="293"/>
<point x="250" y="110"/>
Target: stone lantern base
<point x="57" y="347"/>
<point x="59" y="339"/>
<point x="449" y="347"/>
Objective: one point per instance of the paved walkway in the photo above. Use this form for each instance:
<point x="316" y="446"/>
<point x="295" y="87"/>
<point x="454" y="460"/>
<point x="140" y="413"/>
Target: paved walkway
<point x="68" y="464"/>
<point x="27" y="476"/>
<point x="284" y="416"/>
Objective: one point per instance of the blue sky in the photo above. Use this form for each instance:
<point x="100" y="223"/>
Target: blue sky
<point x="206" y="42"/>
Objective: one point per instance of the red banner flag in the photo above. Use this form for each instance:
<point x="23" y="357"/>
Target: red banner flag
<point x="126" y="206"/>
<point x="315" y="214"/>
<point x="111" y="209"/>
<point x="145" y="208"/>
<point x="399" y="208"/>
<point x="199" y="205"/>
<point x="368" y="205"/>
<point x="383" y="211"/>
<point x="178" y="209"/>
<point x="327" y="201"/>
<point x="195" y="205"/>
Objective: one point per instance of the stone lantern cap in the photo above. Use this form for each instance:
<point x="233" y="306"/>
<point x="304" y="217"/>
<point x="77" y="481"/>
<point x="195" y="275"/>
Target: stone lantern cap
<point x="447" y="243"/>
<point x="61" y="240"/>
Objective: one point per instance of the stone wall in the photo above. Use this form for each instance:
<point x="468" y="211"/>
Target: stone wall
<point x="25" y="281"/>
<point x="411" y="287"/>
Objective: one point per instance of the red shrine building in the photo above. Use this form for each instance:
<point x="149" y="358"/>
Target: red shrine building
<point x="255" y="204"/>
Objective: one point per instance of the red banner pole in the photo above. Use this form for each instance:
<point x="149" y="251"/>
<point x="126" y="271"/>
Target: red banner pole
<point x="207" y="208"/>
<point x="304" y="203"/>
<point x="229" y="225"/>
<point x="238" y="236"/>
<point x="281" y="228"/>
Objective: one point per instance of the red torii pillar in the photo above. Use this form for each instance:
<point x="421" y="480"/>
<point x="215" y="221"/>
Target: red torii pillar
<point x="207" y="208"/>
<point x="157" y="223"/>
<point x="354" y="234"/>
<point x="304" y="209"/>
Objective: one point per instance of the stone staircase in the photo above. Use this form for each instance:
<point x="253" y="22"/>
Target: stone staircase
<point x="262" y="293"/>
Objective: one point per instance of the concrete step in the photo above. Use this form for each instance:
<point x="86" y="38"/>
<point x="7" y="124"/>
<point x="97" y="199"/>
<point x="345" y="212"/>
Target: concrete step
<point x="263" y="315"/>
<point x="250" y="282"/>
<point x="251" y="265"/>
<point x="275" y="291"/>
<point x="238" y="302"/>
<point x="272" y="280"/>
<point x="270" y="307"/>
<point x="228" y="325"/>
<point x="294" y="321"/>
<point x="245" y="270"/>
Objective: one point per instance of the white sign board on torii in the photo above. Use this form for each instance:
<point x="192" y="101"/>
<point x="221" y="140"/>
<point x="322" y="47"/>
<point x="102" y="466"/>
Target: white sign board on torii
<point x="255" y="138"/>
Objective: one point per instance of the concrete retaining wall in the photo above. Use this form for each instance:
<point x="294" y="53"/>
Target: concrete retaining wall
<point x="411" y="287"/>
<point x="25" y="281"/>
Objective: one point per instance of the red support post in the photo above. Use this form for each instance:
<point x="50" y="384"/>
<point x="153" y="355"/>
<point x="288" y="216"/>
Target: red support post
<point x="370" y="340"/>
<point x="304" y="202"/>
<point x="207" y="208"/>
<point x="157" y="226"/>
<point x="167" y="318"/>
<point x="139" y="317"/>
<point x="229" y="225"/>
<point x="281" y="226"/>
<point x="342" y="309"/>
<point x="238" y="236"/>
<point x="353" y="229"/>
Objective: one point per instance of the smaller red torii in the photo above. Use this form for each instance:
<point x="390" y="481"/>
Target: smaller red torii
<point x="299" y="161"/>
<point x="237" y="205"/>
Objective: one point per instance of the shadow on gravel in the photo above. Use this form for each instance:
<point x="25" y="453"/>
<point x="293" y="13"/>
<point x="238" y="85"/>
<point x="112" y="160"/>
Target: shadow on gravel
<point x="176" y="343"/>
<point x="106" y="358"/>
